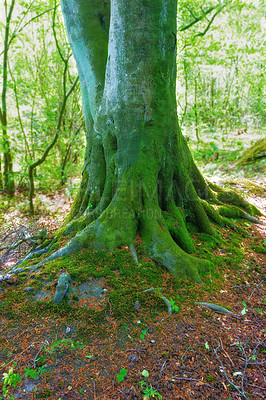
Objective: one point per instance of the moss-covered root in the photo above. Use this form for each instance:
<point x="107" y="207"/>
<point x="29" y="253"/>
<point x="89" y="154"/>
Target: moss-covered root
<point x="221" y="219"/>
<point x="232" y="197"/>
<point x="175" y="222"/>
<point x="161" y="248"/>
<point x="115" y="228"/>
<point x="230" y="211"/>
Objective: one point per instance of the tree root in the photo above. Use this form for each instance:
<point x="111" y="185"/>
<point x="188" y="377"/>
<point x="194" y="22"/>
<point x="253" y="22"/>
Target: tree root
<point x="113" y="224"/>
<point x="158" y="292"/>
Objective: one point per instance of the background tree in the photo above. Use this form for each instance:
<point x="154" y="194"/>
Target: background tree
<point x="36" y="88"/>
<point x="139" y="176"/>
<point x="9" y="184"/>
<point x="66" y="93"/>
<point x="227" y="60"/>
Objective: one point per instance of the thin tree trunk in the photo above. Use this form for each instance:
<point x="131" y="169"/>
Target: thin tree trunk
<point x="41" y="160"/>
<point x="9" y="183"/>
<point x="196" y="108"/>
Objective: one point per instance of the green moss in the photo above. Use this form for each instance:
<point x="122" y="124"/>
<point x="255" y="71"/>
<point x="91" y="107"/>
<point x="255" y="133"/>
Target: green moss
<point x="234" y="199"/>
<point x="210" y="378"/>
<point x="213" y="214"/>
<point x="178" y="231"/>
<point x="259" y="248"/>
<point x="255" y="152"/>
<point x="44" y="394"/>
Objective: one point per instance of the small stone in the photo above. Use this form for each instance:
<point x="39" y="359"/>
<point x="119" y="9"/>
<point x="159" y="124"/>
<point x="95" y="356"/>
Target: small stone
<point x="28" y="289"/>
<point x="137" y="306"/>
<point x="152" y="341"/>
<point x="68" y="330"/>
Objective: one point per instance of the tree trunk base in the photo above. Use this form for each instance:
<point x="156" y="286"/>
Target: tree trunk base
<point x="164" y="233"/>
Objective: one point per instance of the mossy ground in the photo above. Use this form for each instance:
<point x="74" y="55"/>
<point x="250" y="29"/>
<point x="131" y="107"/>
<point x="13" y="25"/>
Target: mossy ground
<point x="103" y="334"/>
<point x="89" y="341"/>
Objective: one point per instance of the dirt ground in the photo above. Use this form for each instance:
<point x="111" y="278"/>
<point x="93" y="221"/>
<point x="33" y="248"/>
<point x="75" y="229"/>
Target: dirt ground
<point x="196" y="353"/>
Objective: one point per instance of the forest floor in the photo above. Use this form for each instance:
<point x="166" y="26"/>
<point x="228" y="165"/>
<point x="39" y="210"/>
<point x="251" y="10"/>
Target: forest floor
<point x="122" y="343"/>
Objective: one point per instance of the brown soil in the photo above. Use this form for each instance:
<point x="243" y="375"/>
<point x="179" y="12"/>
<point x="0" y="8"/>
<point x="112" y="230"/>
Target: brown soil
<point x="195" y="354"/>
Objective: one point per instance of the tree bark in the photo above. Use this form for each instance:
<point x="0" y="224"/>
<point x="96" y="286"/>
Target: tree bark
<point x="139" y="176"/>
<point x="9" y="183"/>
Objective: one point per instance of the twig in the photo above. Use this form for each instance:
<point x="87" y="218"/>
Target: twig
<point x="94" y="391"/>
<point x="183" y="355"/>
<point x="136" y="350"/>
<point x="7" y="235"/>
<point x="226" y="353"/>
<point x="237" y="388"/>
<point x="257" y="387"/>
<point x="193" y="380"/>
<point x="255" y="289"/>
<point x="161" y="372"/>
<point x="35" y="358"/>
<point x="258" y="394"/>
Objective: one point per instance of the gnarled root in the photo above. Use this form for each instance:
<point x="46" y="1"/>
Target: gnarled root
<point x="162" y="227"/>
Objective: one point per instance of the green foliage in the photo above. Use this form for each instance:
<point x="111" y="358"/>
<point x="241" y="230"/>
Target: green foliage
<point x="145" y="373"/>
<point x="59" y="345"/>
<point x="143" y="333"/>
<point x="121" y="375"/>
<point x="10" y="379"/>
<point x="174" y="306"/>
<point x="34" y="373"/>
<point x="220" y="72"/>
<point x="35" y="95"/>
<point x="149" y="392"/>
<point x="260" y="311"/>
<point x="244" y="310"/>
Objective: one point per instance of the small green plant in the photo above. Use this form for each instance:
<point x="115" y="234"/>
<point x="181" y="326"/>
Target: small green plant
<point x="122" y="374"/>
<point x="145" y="373"/>
<point x="10" y="378"/>
<point x="207" y="346"/>
<point x="245" y="310"/>
<point x="40" y="361"/>
<point x="148" y="391"/>
<point x="60" y="344"/>
<point x="175" y="307"/>
<point x="239" y="346"/>
<point x="33" y="373"/>
<point x="143" y="333"/>
<point x="260" y="311"/>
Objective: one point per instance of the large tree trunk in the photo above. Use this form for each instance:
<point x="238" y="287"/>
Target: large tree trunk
<point x="139" y="176"/>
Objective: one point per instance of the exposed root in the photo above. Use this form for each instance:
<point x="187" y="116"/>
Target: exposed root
<point x="161" y="248"/>
<point x="115" y="222"/>
<point x="231" y="211"/>
<point x="158" y="292"/>
<point x="175" y="221"/>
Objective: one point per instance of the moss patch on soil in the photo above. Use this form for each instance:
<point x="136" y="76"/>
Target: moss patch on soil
<point x="110" y="321"/>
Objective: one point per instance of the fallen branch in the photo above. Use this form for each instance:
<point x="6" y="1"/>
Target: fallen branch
<point x="219" y="309"/>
